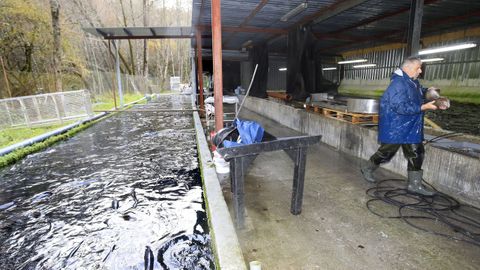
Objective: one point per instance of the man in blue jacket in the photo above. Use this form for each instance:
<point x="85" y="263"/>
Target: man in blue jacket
<point x="401" y="124"/>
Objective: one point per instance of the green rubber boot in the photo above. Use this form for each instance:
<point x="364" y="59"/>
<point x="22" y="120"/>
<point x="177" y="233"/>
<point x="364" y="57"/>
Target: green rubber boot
<point x="415" y="184"/>
<point x="367" y="170"/>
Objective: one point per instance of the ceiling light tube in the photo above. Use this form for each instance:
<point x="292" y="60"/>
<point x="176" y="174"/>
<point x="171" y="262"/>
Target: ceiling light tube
<point x="364" y="66"/>
<point x="294" y="12"/>
<point x="432" y="60"/>
<point x="329" y="68"/>
<point x="282" y="69"/>
<point x="352" y="61"/>
<point x="448" y="48"/>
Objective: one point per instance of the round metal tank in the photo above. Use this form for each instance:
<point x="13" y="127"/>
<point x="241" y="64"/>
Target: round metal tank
<point x="361" y="105"/>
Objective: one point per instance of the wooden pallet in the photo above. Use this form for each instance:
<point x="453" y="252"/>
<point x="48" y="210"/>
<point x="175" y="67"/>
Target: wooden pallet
<point x="354" y="118"/>
<point x="313" y="108"/>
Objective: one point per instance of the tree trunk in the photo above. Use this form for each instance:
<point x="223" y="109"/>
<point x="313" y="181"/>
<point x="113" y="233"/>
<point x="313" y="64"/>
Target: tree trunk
<point x="132" y="60"/>
<point x="57" y="49"/>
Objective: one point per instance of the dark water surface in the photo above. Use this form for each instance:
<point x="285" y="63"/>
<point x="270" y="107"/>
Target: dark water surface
<point x="124" y="194"/>
<point x="460" y="117"/>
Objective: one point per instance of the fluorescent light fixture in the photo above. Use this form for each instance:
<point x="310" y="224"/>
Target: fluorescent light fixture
<point x="282" y="69"/>
<point x="329" y="68"/>
<point x="364" y="66"/>
<point x="352" y="61"/>
<point x="448" y="48"/>
<point x="432" y="60"/>
<point x="294" y="12"/>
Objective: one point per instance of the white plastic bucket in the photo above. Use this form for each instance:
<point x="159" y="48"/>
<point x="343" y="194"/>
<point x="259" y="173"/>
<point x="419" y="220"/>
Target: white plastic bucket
<point x="221" y="166"/>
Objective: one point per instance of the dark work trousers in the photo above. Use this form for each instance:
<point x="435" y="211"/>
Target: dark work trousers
<point x="413" y="152"/>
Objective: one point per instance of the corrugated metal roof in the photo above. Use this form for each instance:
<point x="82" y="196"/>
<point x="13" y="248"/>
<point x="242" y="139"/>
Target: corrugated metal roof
<point x="141" y="32"/>
<point x="363" y="24"/>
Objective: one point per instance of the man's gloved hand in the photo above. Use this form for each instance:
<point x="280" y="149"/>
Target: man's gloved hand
<point x="432" y="93"/>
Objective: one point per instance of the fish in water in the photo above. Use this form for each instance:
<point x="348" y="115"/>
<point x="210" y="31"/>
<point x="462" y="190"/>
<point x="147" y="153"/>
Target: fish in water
<point x="134" y="196"/>
<point x="6" y="205"/>
<point x="115" y="204"/>
<point x="149" y="258"/>
<point x="108" y="254"/>
<point x="41" y="196"/>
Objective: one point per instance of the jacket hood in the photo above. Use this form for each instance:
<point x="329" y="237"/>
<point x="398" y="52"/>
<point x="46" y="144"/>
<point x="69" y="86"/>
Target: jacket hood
<point x="397" y="73"/>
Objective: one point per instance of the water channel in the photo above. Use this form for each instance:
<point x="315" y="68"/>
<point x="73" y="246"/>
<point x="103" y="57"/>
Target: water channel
<point x="125" y="193"/>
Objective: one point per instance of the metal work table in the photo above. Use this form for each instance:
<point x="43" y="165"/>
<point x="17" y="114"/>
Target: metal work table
<point x="240" y="158"/>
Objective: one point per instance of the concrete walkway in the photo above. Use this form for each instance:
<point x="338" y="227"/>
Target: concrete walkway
<point x="335" y="229"/>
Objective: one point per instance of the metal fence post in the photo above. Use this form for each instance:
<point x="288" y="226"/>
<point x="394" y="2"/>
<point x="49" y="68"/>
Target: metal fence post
<point x="25" y="112"/>
<point x="57" y="110"/>
<point x="88" y="104"/>
<point x="37" y="108"/>
<point x="7" y="110"/>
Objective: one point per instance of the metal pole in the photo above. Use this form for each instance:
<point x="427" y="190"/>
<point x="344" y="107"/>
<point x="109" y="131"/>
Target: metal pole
<point x="200" y="69"/>
<point x="113" y="79"/>
<point x="119" y="78"/>
<point x="217" y="63"/>
<point x="237" y="112"/>
<point x="414" y="27"/>
<point x="193" y="77"/>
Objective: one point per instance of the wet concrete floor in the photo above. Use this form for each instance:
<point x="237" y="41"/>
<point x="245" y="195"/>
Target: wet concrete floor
<point x="335" y="229"/>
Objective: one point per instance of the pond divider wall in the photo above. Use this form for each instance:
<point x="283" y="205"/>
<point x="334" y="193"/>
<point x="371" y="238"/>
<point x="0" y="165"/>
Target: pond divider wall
<point x="452" y="173"/>
<point x="224" y="238"/>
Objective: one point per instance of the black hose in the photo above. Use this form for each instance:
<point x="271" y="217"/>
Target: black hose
<point x="439" y="215"/>
<point x="444" y="136"/>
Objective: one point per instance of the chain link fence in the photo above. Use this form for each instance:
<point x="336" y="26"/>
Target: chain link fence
<point x="45" y="108"/>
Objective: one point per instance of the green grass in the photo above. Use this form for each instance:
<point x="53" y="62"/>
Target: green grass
<point x="18" y="154"/>
<point x="105" y="102"/>
<point x="11" y="136"/>
<point x="14" y="135"/>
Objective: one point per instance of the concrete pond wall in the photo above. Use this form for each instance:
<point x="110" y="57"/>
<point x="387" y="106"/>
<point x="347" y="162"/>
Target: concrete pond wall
<point x="454" y="174"/>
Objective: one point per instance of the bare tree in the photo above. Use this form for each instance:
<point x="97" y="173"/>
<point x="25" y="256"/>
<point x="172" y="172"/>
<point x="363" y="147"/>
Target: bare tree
<point x="57" y="49"/>
<point x="145" y="42"/>
<point x="125" y="23"/>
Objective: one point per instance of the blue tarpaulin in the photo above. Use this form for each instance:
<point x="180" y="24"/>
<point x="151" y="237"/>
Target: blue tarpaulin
<point x="249" y="132"/>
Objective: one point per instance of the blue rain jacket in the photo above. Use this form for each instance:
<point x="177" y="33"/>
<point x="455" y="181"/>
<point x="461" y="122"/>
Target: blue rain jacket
<point x="401" y="119"/>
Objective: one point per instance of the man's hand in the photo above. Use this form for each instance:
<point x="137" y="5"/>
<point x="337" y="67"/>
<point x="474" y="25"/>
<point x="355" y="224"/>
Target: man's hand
<point x="429" y="106"/>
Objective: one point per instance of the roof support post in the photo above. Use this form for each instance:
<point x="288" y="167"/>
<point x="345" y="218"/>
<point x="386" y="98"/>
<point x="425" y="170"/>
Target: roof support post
<point x="117" y="68"/>
<point x="217" y="63"/>
<point x="200" y="70"/>
<point x="414" y="27"/>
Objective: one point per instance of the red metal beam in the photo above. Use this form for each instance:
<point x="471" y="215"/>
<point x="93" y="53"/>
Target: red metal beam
<point x="200" y="70"/>
<point x="217" y="63"/>
<point x="336" y="37"/>
<point x="234" y="29"/>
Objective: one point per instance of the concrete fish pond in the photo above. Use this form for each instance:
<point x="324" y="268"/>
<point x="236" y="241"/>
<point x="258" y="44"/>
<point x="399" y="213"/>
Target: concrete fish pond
<point x="124" y="194"/>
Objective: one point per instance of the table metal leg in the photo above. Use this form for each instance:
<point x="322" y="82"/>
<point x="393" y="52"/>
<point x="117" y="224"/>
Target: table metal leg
<point x="298" y="180"/>
<point x="238" y="191"/>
